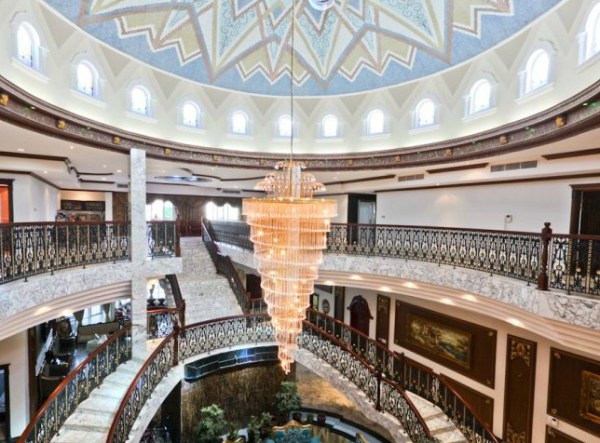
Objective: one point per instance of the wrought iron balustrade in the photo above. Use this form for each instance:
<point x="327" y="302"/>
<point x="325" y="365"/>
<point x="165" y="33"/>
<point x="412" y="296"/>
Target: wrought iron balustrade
<point x="387" y="395"/>
<point x="560" y="261"/>
<point x="34" y="248"/>
<point x="154" y="370"/>
<point x="161" y="322"/>
<point x="226" y="268"/>
<point x="76" y="387"/>
<point x="575" y="264"/>
<point x="163" y="239"/>
<point x="408" y="374"/>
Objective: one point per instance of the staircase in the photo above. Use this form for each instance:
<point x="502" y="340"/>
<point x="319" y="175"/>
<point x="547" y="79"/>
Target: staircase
<point x="92" y="419"/>
<point x="439" y="424"/>
<point x="207" y="295"/>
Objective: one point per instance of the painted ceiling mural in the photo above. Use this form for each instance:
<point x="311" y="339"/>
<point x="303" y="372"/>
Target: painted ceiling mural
<point x="354" y="45"/>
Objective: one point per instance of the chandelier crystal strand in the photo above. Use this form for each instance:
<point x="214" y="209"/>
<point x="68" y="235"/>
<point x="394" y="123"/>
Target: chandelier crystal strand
<point x="289" y="231"/>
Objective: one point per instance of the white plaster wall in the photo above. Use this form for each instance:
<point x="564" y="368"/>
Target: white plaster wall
<point x="481" y="207"/>
<point x="540" y="417"/>
<point x="342" y="208"/>
<point x="13" y="351"/>
<point x="33" y="200"/>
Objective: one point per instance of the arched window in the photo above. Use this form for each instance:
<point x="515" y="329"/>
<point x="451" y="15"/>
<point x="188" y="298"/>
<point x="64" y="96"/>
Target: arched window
<point x="375" y="122"/>
<point x="537" y="71"/>
<point x="87" y="78"/>
<point x="284" y="126"/>
<point x="190" y="114"/>
<point x="140" y="100"/>
<point x="329" y="126"/>
<point x="28" y="45"/>
<point x="239" y="123"/>
<point x="160" y="210"/>
<point x="590" y="38"/>
<point x="225" y="212"/>
<point x="424" y="113"/>
<point x="480" y="97"/>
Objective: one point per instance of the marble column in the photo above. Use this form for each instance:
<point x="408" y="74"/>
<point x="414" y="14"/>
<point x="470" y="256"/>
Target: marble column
<point x="139" y="245"/>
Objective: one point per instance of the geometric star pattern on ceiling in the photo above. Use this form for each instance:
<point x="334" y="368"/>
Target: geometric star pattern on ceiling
<point x="349" y="40"/>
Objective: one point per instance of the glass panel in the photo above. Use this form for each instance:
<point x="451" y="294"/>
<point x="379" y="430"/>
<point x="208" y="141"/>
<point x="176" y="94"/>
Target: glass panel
<point x="239" y="123"/>
<point x="85" y="79"/>
<point x="284" y="128"/>
<point x="4" y="407"/>
<point x="139" y="101"/>
<point x="330" y="126"/>
<point x="190" y="114"/>
<point x="25" y="45"/>
<point x="425" y="113"/>
<point x="375" y="122"/>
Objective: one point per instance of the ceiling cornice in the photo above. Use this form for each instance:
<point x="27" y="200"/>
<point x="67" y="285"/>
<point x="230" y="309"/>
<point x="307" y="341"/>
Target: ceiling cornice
<point x="578" y="114"/>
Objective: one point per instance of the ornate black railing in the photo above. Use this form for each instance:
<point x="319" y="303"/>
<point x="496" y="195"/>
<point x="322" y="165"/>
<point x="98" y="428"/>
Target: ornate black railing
<point x="28" y="249"/>
<point x="559" y="261"/>
<point x="154" y="370"/>
<point x="161" y="322"/>
<point x="410" y="375"/>
<point x="177" y="297"/>
<point x="225" y="267"/>
<point x="76" y="387"/>
<point x="575" y="264"/>
<point x="163" y="239"/>
<point x="387" y="395"/>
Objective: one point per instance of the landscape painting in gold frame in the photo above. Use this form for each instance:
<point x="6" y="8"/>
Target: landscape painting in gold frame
<point x="443" y="341"/>
<point x="590" y="396"/>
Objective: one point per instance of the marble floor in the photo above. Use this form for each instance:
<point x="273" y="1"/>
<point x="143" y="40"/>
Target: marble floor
<point x="317" y="393"/>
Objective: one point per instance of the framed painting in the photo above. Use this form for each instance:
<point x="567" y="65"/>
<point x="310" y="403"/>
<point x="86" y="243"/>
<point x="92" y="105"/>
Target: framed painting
<point x="441" y="340"/>
<point x="590" y="396"/>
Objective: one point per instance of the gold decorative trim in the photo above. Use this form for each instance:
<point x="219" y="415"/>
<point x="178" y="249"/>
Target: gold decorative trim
<point x="520" y="350"/>
<point x="4" y="99"/>
<point x="515" y="437"/>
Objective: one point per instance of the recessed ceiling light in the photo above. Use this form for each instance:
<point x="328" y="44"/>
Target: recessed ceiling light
<point x="469" y="297"/>
<point x="447" y="301"/>
<point x="236" y="186"/>
<point x="119" y="171"/>
<point x="385" y="288"/>
<point x="45" y="172"/>
<point x="20" y="150"/>
<point x="104" y="166"/>
<point x="71" y="147"/>
<point x="410" y="285"/>
<point x="103" y="178"/>
<point x="515" y="322"/>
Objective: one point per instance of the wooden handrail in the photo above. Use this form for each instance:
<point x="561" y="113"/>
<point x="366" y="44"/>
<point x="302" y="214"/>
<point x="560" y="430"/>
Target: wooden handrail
<point x="67" y="379"/>
<point x="229" y="317"/>
<point x="136" y="379"/>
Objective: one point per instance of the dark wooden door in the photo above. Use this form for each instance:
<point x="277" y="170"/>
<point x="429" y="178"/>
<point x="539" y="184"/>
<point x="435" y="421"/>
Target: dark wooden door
<point x="339" y="293"/>
<point x="382" y="328"/>
<point x="360" y="314"/>
<point x="4" y="405"/>
<point x="585" y="216"/>
<point x="519" y="389"/>
<point x="253" y="285"/>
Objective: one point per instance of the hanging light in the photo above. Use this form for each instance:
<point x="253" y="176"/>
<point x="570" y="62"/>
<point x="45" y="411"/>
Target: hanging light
<point x="289" y="230"/>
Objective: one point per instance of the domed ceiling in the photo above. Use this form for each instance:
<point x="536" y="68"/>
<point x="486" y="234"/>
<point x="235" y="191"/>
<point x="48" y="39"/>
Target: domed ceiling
<point x="350" y="46"/>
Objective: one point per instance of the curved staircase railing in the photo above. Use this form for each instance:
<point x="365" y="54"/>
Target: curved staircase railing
<point x="409" y="375"/>
<point x="560" y="261"/>
<point x="225" y="267"/>
<point x="207" y="336"/>
<point x="76" y="387"/>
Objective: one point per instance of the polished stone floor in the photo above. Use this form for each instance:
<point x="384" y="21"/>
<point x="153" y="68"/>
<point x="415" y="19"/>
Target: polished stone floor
<point x="317" y="393"/>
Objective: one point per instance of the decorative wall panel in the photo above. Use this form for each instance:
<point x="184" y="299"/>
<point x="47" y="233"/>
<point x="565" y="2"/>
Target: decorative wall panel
<point x="519" y="389"/>
<point x="554" y="436"/>
<point x="579" y="404"/>
<point x="462" y="346"/>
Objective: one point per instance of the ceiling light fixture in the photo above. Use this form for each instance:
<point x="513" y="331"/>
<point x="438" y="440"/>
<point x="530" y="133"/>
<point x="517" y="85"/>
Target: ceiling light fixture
<point x="289" y="230"/>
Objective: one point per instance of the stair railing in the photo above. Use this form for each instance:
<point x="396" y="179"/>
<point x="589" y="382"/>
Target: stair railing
<point x="77" y="386"/>
<point x="225" y="267"/>
<point x="410" y="375"/>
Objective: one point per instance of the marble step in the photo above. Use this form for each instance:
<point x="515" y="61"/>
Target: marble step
<point x="439" y="424"/>
<point x="74" y="436"/>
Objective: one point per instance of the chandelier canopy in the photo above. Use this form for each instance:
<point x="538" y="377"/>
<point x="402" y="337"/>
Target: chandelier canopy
<point x="289" y="231"/>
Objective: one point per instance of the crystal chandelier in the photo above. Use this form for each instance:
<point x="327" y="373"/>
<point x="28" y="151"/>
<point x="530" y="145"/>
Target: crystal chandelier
<point x="289" y="230"/>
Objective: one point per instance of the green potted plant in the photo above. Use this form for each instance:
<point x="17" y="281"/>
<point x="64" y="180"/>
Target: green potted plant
<point x="211" y="426"/>
<point x="259" y="427"/>
<point x="287" y="400"/>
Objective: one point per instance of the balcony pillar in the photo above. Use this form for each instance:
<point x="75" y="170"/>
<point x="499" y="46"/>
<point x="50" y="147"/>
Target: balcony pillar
<point x="139" y="249"/>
